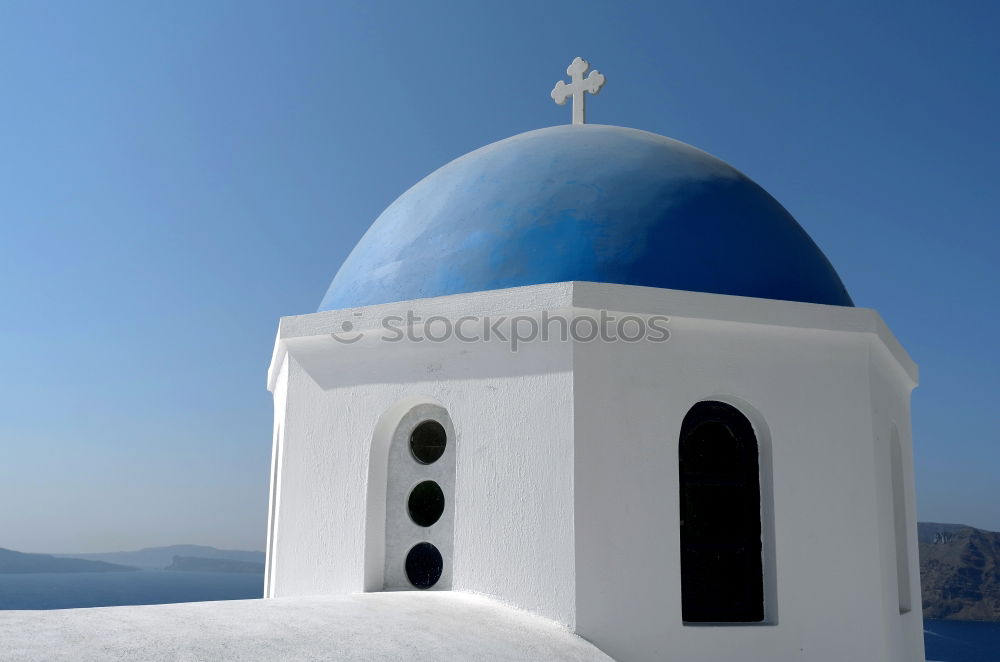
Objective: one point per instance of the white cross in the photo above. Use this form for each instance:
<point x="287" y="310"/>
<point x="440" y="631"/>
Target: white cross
<point x="592" y="83"/>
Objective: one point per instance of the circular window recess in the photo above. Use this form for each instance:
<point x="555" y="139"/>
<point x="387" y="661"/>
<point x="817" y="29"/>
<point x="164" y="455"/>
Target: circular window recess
<point x="428" y="441"/>
<point x="426" y="503"/>
<point x="424" y="565"/>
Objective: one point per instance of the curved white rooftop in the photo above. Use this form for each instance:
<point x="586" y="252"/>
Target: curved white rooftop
<point x="367" y="626"/>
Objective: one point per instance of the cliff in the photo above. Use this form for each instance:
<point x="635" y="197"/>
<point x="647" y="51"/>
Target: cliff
<point x="196" y="564"/>
<point x="959" y="572"/>
<point x="12" y="562"/>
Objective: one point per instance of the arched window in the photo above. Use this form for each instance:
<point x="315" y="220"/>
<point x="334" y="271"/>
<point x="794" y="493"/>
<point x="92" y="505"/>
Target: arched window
<point x="419" y="503"/>
<point x="899" y="521"/>
<point x="722" y="578"/>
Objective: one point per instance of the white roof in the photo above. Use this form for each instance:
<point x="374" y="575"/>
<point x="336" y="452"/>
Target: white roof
<point x="408" y="625"/>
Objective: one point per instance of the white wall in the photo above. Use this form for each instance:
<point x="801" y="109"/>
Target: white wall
<point x="512" y="415"/>
<point x="279" y="387"/>
<point x="890" y="390"/>
<point x="808" y="392"/>
<point x="566" y="497"/>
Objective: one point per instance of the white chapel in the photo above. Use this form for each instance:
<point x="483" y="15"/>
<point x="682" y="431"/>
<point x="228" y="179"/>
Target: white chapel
<point x="599" y="378"/>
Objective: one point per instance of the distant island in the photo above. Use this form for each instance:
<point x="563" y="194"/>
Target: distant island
<point x="959" y="567"/>
<point x="959" y="572"/>
<point x="197" y="564"/>
<point x="12" y="562"/>
<point x="160" y="557"/>
<point x="184" y="558"/>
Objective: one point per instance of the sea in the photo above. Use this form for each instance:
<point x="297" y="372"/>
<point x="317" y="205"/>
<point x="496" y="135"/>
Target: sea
<point x="961" y="641"/>
<point x="945" y="641"/>
<point x="68" y="590"/>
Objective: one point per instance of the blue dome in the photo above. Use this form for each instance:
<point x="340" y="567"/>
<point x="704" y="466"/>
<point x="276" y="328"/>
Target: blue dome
<point x="590" y="203"/>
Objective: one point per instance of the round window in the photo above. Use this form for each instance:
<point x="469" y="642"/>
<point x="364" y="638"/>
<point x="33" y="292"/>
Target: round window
<point x="428" y="441"/>
<point x="424" y="565"/>
<point x="426" y="503"/>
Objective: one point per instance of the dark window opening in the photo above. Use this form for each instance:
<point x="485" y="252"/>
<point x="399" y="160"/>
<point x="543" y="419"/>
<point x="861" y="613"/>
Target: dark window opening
<point x="722" y="579"/>
<point x="426" y="503"/>
<point x="428" y="441"/>
<point x="424" y="565"/>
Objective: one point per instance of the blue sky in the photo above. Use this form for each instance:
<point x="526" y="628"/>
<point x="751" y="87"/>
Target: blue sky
<point x="176" y="176"/>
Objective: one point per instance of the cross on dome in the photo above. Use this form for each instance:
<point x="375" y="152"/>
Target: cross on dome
<point x="577" y="86"/>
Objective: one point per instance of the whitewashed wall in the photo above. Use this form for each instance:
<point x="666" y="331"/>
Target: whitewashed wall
<point x="566" y="479"/>
<point x="512" y="414"/>
<point x="891" y="409"/>
<point x="808" y="392"/>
